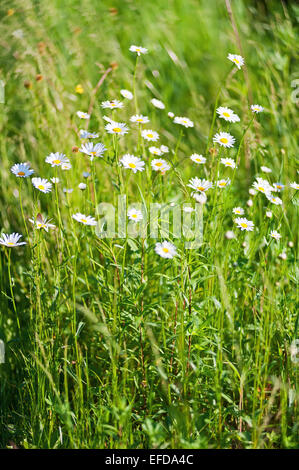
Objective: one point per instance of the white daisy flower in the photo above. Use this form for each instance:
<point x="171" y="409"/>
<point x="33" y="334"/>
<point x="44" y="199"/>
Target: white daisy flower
<point x="283" y="255"/>
<point x="155" y="151"/>
<point x="278" y="187"/>
<point x="223" y="183"/>
<point x="225" y="139"/>
<point x="126" y="94"/>
<point x="227" y="114"/>
<point x="170" y="114"/>
<point x="201" y="185"/>
<point x="244" y="224"/>
<point x="269" y="214"/>
<point x="164" y="149"/>
<point x="274" y="199"/>
<point x="165" y="249"/>
<point x="82" y="115"/>
<point x="55" y="180"/>
<point x="82" y="186"/>
<point x="117" y="128"/>
<point x="294" y="185"/>
<point x="238" y="210"/>
<point x="160" y="165"/>
<point x="228" y="162"/>
<point x="56" y="159"/>
<point x="262" y="185"/>
<point x="256" y="108"/>
<point x="21" y="170"/>
<point x="230" y="235"/>
<point x="93" y="150"/>
<point x="11" y="240"/>
<point x="265" y="169"/>
<point x="83" y="134"/>
<point x="274" y="234"/>
<point x="66" y="166"/>
<point x="236" y="59"/>
<point x="138" y="49"/>
<point x="183" y="121"/>
<point x="198" y="158"/>
<point x="68" y="190"/>
<point x="40" y="223"/>
<point x="135" y="215"/>
<point x="139" y="119"/>
<point x="84" y="219"/>
<point x="150" y="135"/>
<point x="42" y="184"/>
<point x="113" y="104"/>
<point x="130" y="162"/>
<point x="201" y="198"/>
<point x="249" y="203"/>
<point x="157" y="103"/>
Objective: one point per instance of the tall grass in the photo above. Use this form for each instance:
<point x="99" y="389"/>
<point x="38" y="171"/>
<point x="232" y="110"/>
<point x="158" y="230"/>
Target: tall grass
<point x="107" y="344"/>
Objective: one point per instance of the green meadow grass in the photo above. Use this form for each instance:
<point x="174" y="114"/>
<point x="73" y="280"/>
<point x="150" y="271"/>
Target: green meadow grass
<point x="108" y="345"/>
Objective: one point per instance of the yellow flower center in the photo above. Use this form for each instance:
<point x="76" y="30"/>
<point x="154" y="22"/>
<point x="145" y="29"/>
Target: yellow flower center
<point x="116" y="129"/>
<point x="41" y="186"/>
<point x="134" y="216"/>
<point x="56" y="162"/>
<point x="159" y="164"/>
<point x="236" y="60"/>
<point x="224" y="140"/>
<point x="150" y="136"/>
<point x="261" y="189"/>
<point x="200" y="188"/>
<point x="84" y="221"/>
<point x="21" y="173"/>
<point x="139" y="120"/>
<point x="226" y="114"/>
<point x="222" y="184"/>
<point x="93" y="153"/>
<point x="243" y="225"/>
<point x="132" y="165"/>
<point x="10" y="244"/>
<point x="166" y="250"/>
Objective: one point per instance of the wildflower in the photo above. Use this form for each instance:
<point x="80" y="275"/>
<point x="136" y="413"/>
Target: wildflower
<point x="160" y="165"/>
<point x="138" y="49"/>
<point x="252" y="191"/>
<point x="198" y="158"/>
<point x="170" y="114"/>
<point x="66" y="166"/>
<point x="157" y="103"/>
<point x="223" y="183"/>
<point x="291" y="244"/>
<point x="274" y="199"/>
<point x="11" y="240"/>
<point x="283" y="255"/>
<point x="236" y="59"/>
<point x="56" y="159"/>
<point x="225" y="139"/>
<point x="269" y="214"/>
<point x="55" y="180"/>
<point x="126" y="94"/>
<point x="165" y="249"/>
<point x="68" y="190"/>
<point x="84" y="219"/>
<point x="39" y="222"/>
<point x="139" y="118"/>
<point x="135" y="215"/>
<point x="250" y="203"/>
<point x="114" y="104"/>
<point x="164" y="149"/>
<point x="130" y="162"/>
<point x="262" y="185"/>
<point x="82" y="115"/>
<point x="238" y="210"/>
<point x="265" y="169"/>
<point x="188" y="209"/>
<point x="244" y="224"/>
<point x="227" y="114"/>
<point x="155" y="151"/>
<point x="278" y="187"/>
<point x="294" y="185"/>
<point x="150" y="135"/>
<point x="117" y="128"/>
<point x="201" y="198"/>
<point x="256" y="108"/>
<point x="108" y="119"/>
<point x="228" y="162"/>
<point x="183" y="121"/>
<point x="201" y="185"/>
<point x="86" y="174"/>
<point x="82" y="186"/>
<point x="42" y="184"/>
<point x="93" y="150"/>
<point x="274" y="234"/>
<point x="79" y="89"/>
<point x="83" y="134"/>
<point x="21" y="170"/>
